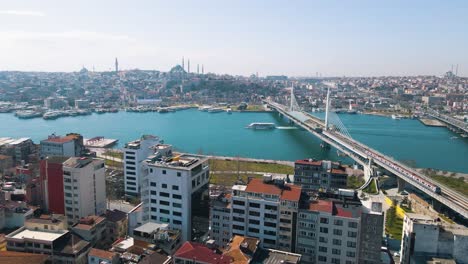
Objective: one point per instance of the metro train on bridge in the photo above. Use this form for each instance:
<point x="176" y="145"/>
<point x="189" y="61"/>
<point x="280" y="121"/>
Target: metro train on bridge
<point x="418" y="179"/>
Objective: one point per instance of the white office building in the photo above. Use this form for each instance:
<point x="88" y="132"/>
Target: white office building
<point x="134" y="153"/>
<point x="84" y="186"/>
<point x="168" y="186"/>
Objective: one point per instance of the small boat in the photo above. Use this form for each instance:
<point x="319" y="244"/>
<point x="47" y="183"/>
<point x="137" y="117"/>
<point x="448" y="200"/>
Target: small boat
<point x="27" y="114"/>
<point x="229" y="111"/>
<point x="396" y="117"/>
<point x="52" y="115"/>
<point x="261" y="126"/>
<point x="204" y="108"/>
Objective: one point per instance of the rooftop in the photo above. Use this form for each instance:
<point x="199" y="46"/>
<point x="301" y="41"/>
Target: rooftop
<point x="286" y="192"/>
<point x="47" y="219"/>
<point x="76" y="162"/>
<point x="241" y="249"/>
<point x="270" y="256"/>
<point x="102" y="254"/>
<point x="336" y="207"/>
<point x="182" y="161"/>
<point x="309" y="162"/>
<point x="13" y="257"/>
<point x="199" y="252"/>
<point x="58" y="139"/>
<point x="24" y="233"/>
<point x="115" y="215"/>
<point x="87" y="223"/>
<point x="151" y="227"/>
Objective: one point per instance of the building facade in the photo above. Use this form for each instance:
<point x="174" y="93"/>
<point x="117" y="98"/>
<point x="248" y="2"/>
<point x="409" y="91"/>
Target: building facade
<point x="51" y="180"/>
<point x="134" y="153"/>
<point x="319" y="175"/>
<point x="70" y="145"/>
<point x="169" y="185"/>
<point x="84" y="188"/>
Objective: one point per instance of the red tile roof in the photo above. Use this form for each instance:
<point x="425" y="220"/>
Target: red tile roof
<point x="291" y="192"/>
<point x="309" y="162"/>
<point x="338" y="171"/>
<point x="102" y="254"/>
<point x="321" y="206"/>
<point x="258" y="186"/>
<point x="199" y="252"/>
<point x="343" y="213"/>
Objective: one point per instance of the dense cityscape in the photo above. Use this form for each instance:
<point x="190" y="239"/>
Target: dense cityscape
<point x="243" y="132"/>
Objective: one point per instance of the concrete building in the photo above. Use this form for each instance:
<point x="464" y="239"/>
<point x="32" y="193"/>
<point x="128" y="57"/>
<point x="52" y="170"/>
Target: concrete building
<point x="92" y="229"/>
<point x="337" y="230"/>
<point x="98" y="256"/>
<point x="60" y="244"/>
<point x="13" y="214"/>
<point x="6" y="163"/>
<point x="134" y="153"/>
<point x="170" y="187"/>
<point x="19" y="149"/>
<point x="323" y="175"/>
<point x="81" y="104"/>
<point x="84" y="188"/>
<point x="266" y="209"/>
<point x="117" y="225"/>
<point x="160" y="235"/>
<point x="55" y="103"/>
<point x="51" y="182"/>
<point x="220" y="218"/>
<point x="70" y="145"/>
<point x="425" y="237"/>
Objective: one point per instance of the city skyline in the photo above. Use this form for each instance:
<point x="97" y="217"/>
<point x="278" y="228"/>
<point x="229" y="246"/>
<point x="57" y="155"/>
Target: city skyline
<point x="331" y="38"/>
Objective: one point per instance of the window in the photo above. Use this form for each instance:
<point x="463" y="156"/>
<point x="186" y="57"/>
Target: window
<point x="272" y="216"/>
<point x="130" y="168"/>
<point x="270" y="233"/>
<point x="163" y="171"/>
<point x="338" y="222"/>
<point x="254" y="222"/>
<point x="322" y="249"/>
<point x="352" y="224"/>
<point x="335" y="261"/>
<point x="352" y="234"/>
<point x="336" y="242"/>
<point x="152" y="184"/>
<point x="270" y="224"/>
<point x="336" y="251"/>
<point x="131" y="183"/>
<point x="130" y="162"/>
<point x="286" y="221"/>
<point x="131" y="173"/>
<point x="176" y="222"/>
<point x="271" y="207"/>
<point x="351" y="244"/>
<point x="153" y="209"/>
<point x="177" y="213"/>
<point x="236" y="202"/>
<point x="323" y="220"/>
<point x="164" y="203"/>
<point x="177" y="196"/>
<point x="238" y="227"/>
<point x="253" y="213"/>
<point x="337" y="232"/>
<point x="269" y="241"/>
<point x="322" y="258"/>
<point x="323" y="239"/>
<point x="254" y="205"/>
<point x="164" y="194"/>
<point x="153" y="192"/>
<point x="153" y="217"/>
<point x="175" y="187"/>
<point x="179" y="174"/>
<point x="254" y="230"/>
<point x="238" y="211"/>
<point x="177" y="205"/>
<point x="164" y="186"/>
<point x="350" y="254"/>
<point x="164" y="211"/>
<point x="238" y="219"/>
<point x="324" y="230"/>
<point x="154" y="201"/>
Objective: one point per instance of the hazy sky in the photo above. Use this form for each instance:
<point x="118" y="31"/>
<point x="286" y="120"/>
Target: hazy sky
<point x="296" y="38"/>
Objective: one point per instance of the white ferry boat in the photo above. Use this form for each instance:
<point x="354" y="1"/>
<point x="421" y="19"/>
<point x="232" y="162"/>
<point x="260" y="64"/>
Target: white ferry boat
<point x="396" y="117"/>
<point x="262" y="126"/>
<point x="27" y="114"/>
<point x="215" y="110"/>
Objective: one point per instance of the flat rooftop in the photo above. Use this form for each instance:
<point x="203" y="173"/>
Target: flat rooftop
<point x="75" y="162"/>
<point x="151" y="227"/>
<point x="182" y="161"/>
<point x="37" y="235"/>
<point x="270" y="256"/>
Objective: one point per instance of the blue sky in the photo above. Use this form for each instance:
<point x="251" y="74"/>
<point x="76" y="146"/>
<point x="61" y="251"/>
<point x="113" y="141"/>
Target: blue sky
<point x="296" y="38"/>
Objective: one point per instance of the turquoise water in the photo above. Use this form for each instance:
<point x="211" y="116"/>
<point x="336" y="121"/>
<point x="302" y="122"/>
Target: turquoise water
<point x="223" y="134"/>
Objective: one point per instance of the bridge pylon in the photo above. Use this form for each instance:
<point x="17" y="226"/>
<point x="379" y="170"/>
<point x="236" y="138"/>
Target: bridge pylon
<point x="368" y="170"/>
<point x="327" y="109"/>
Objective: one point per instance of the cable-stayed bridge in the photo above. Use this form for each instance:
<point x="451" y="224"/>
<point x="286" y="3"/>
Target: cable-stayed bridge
<point x="333" y="132"/>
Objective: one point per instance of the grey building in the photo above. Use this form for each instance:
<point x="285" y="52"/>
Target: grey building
<point x="315" y="175"/>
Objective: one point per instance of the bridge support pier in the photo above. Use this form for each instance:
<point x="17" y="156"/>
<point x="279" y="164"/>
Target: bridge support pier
<point x="368" y="171"/>
<point x="401" y="184"/>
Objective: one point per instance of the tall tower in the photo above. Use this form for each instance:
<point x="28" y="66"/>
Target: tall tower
<point x="202" y="69"/>
<point x="327" y="108"/>
<point x="116" y="65"/>
<point x="198" y="68"/>
<point x="183" y="66"/>
<point x="188" y="65"/>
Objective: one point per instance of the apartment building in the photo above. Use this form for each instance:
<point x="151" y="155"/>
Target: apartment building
<point x="70" y="145"/>
<point x="425" y="237"/>
<point x="323" y="175"/>
<point x="220" y="218"/>
<point x="51" y="179"/>
<point x="84" y="188"/>
<point x="134" y="153"/>
<point x="339" y="231"/>
<point x="266" y="209"/>
<point x="171" y="186"/>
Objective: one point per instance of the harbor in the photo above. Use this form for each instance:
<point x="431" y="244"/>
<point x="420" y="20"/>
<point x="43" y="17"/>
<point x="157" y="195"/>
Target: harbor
<point x="432" y="122"/>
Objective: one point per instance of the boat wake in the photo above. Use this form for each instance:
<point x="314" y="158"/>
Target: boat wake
<point x="280" y="127"/>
